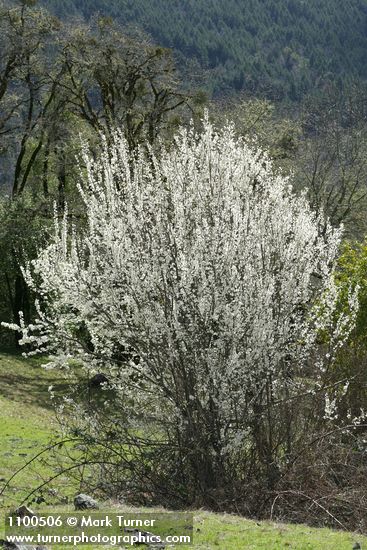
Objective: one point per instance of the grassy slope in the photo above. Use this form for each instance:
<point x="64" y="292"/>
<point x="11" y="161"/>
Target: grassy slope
<point x="26" y="424"/>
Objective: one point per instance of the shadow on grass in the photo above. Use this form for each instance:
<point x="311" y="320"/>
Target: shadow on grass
<point x="24" y="381"/>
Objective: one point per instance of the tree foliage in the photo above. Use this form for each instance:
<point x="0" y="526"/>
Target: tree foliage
<point x="281" y="48"/>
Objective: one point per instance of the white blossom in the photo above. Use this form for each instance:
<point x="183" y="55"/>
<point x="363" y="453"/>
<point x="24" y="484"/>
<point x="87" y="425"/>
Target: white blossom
<point x="202" y="263"/>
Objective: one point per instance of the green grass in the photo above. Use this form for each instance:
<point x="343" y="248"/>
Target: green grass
<point x="27" y="424"/>
<point x="234" y="533"/>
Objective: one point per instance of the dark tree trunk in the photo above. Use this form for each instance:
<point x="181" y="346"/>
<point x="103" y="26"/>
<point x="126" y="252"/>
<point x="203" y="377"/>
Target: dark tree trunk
<point x="62" y="184"/>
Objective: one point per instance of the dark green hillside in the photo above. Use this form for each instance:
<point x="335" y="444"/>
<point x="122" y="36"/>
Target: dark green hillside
<point x="283" y="47"/>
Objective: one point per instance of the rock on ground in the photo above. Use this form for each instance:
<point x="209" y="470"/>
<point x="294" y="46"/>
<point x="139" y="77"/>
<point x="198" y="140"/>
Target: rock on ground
<point x="23" y="512"/>
<point x="85" y="502"/>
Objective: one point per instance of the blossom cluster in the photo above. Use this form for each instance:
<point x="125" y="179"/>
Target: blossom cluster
<point x="195" y="279"/>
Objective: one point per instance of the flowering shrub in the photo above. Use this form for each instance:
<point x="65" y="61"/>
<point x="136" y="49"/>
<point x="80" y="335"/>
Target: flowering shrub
<point x="199" y="285"/>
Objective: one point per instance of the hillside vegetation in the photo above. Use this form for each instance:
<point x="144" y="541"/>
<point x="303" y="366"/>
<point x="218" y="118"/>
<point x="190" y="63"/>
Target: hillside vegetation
<point x="283" y="48"/>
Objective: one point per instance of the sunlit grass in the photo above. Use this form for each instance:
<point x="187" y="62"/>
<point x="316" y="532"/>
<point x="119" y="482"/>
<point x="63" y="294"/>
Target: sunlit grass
<point x="27" y="426"/>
